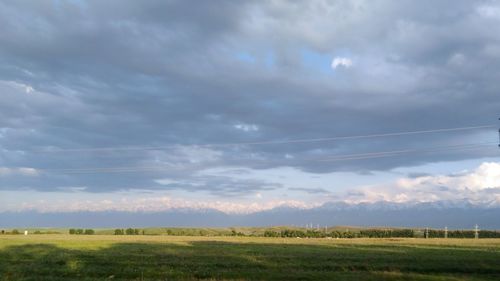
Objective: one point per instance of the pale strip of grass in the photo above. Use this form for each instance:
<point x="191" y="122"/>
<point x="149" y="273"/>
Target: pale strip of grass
<point x="85" y="241"/>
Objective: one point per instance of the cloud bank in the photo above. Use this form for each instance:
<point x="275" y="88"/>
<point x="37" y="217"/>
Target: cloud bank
<point x="121" y="96"/>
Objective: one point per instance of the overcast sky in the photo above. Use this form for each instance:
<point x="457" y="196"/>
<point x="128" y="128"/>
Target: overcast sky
<point x="244" y="106"/>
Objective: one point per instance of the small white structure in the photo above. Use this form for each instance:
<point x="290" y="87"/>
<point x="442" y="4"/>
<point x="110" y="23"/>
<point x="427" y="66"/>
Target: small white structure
<point x="25" y="232"/>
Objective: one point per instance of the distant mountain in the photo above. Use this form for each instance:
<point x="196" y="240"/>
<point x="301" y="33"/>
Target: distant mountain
<point x="437" y="215"/>
<point x="462" y="214"/>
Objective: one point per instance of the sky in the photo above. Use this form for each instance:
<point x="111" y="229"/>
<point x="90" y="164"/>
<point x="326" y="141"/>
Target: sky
<point x="247" y="106"/>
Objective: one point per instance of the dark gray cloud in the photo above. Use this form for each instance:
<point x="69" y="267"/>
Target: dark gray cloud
<point x="310" y="190"/>
<point x="417" y="175"/>
<point x="87" y="74"/>
<point x="219" y="185"/>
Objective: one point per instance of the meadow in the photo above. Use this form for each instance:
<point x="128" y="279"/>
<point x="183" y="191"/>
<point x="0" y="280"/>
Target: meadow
<point x="110" y="257"/>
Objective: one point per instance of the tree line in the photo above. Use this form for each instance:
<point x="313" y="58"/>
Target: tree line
<point x="292" y="233"/>
<point x="380" y="233"/>
<point x="128" y="231"/>
<point x="80" y="231"/>
<point x="463" y="234"/>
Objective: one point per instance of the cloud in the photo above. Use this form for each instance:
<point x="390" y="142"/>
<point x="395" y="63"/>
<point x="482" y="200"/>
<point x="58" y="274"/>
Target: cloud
<point x="23" y="171"/>
<point x="480" y="186"/>
<point x="137" y="75"/>
<point x="157" y="203"/>
<point x="27" y="88"/>
<point x="489" y="11"/>
<point x="343" y="62"/>
<point x="457" y="59"/>
<point x="310" y="190"/>
<point x="218" y="185"/>
<point x="486" y="176"/>
<point x="247" y="127"/>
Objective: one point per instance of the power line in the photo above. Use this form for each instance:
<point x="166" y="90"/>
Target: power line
<point x="293" y="141"/>
<point x="370" y="155"/>
<point x="345" y="157"/>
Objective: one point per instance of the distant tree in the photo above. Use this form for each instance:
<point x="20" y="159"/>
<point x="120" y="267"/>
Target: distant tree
<point x="129" y="231"/>
<point x="143" y="232"/>
<point x="89" y="232"/>
<point x="72" y="231"/>
<point x="3" y="231"/>
<point x="270" y="233"/>
<point x="37" y="232"/>
<point x="489" y="234"/>
<point x="118" y="231"/>
<point x="15" y="231"/>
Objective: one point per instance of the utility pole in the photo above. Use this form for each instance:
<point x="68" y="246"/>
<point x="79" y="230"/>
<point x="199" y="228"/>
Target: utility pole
<point x="476" y="232"/>
<point x="426" y="232"/>
<point x="445" y="232"/>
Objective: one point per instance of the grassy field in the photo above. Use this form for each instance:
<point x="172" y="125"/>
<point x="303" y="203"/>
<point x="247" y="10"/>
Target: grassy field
<point x="103" y="257"/>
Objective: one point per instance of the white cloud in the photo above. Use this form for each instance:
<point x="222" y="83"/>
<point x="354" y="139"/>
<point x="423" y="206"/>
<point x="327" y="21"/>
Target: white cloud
<point x="486" y="176"/>
<point x="72" y="188"/>
<point x="68" y="203"/>
<point x="492" y="50"/>
<point x="247" y="127"/>
<point x="25" y="87"/>
<point x="340" y="61"/>
<point x="3" y="131"/>
<point x="457" y="59"/>
<point x="27" y="171"/>
<point x="182" y="156"/>
<point x="23" y="171"/>
<point x="489" y="11"/>
<point x="480" y="186"/>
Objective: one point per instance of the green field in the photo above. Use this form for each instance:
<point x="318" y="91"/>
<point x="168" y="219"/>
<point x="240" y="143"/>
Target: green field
<point x="103" y="257"/>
